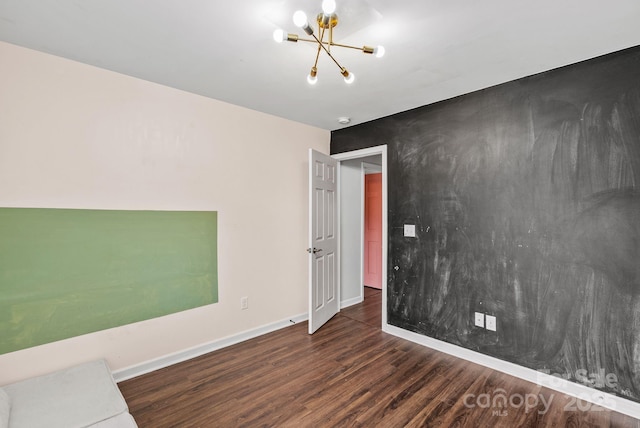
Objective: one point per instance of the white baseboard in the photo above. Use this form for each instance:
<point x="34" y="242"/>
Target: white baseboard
<point x="582" y="392"/>
<point x="351" y="302"/>
<point x="187" y="354"/>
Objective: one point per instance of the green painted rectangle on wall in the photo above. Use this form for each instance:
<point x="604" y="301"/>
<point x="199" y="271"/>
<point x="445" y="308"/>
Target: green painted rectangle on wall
<point x="68" y="272"/>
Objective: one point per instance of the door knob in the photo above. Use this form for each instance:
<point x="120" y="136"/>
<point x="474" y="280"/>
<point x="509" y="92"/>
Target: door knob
<point x="314" y="250"/>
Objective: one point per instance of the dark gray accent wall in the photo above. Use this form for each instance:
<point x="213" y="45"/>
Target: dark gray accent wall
<point x="526" y="201"/>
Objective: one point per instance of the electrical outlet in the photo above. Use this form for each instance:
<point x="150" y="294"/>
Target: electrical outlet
<point x="244" y="303"/>
<point x="491" y="323"/>
<point x="479" y="319"/>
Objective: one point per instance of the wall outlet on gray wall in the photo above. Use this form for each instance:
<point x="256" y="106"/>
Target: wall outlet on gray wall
<point x="479" y="320"/>
<point x="491" y="323"/>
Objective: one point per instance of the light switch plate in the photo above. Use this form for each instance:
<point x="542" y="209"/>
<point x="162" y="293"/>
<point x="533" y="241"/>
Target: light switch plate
<point x="479" y="319"/>
<point x="491" y="323"/>
<point x="410" y="230"/>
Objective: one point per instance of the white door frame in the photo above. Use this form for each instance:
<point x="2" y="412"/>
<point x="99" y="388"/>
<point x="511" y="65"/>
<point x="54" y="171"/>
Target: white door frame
<point x="356" y="154"/>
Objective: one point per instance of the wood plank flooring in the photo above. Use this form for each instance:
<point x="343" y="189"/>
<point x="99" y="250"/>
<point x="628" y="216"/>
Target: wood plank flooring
<point x="348" y="374"/>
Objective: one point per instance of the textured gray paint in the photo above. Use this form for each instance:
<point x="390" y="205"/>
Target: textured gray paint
<point x="526" y="200"/>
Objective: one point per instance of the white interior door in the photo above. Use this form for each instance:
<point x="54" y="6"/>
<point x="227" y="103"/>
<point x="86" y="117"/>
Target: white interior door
<point x="324" y="298"/>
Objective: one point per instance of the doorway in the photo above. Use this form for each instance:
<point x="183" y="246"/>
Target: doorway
<point x="372" y="247"/>
<point x="354" y="166"/>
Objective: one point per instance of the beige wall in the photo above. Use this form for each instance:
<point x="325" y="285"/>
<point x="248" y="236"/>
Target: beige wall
<point x="77" y="136"/>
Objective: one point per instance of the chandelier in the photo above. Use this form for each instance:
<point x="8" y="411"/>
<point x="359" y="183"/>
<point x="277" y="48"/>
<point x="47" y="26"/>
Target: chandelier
<point x="326" y="20"/>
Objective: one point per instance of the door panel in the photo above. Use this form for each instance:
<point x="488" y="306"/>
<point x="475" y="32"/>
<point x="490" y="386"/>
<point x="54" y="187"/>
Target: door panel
<point x="324" y="300"/>
<point x="331" y="286"/>
<point x="318" y="229"/>
<point x="319" y="290"/>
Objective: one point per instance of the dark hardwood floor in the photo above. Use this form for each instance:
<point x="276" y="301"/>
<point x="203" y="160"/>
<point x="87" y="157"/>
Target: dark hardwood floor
<point x="349" y="373"/>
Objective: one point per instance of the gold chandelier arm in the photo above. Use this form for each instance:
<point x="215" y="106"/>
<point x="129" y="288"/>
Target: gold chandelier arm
<point x="322" y="45"/>
<point x="365" y="49"/>
<point x="330" y="36"/>
<point x="315" y="64"/>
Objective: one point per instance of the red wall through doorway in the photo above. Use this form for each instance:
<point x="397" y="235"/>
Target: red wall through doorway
<point x="373" y="230"/>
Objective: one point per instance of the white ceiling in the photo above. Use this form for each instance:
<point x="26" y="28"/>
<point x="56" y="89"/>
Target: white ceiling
<point x="435" y="49"/>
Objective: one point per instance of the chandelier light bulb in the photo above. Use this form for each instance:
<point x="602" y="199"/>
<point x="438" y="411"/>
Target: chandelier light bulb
<point x="300" y="19"/>
<point x="349" y="78"/>
<point x="379" y="51"/>
<point x="328" y="6"/>
<point x="312" y="78"/>
<point x="279" y="35"/>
